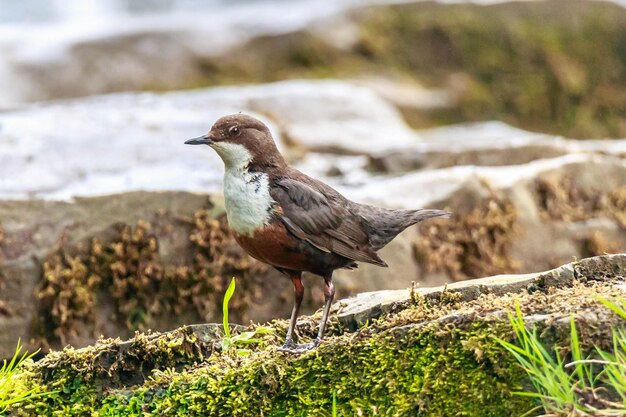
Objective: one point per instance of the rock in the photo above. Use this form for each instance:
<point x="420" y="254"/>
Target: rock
<point x="334" y="117"/>
<point x="584" y="189"/>
<point x="60" y="260"/>
<point x="74" y="58"/>
<point x="483" y="144"/>
<point x="357" y="311"/>
<point x="439" y="346"/>
<point x="125" y="142"/>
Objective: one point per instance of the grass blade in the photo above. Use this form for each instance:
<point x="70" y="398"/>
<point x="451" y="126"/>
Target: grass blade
<point x="229" y="294"/>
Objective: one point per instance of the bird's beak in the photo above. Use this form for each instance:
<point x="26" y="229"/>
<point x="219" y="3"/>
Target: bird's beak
<point x="202" y="140"/>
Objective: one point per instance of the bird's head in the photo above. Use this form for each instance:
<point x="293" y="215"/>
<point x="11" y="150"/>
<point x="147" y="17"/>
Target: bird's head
<point x="240" y="141"/>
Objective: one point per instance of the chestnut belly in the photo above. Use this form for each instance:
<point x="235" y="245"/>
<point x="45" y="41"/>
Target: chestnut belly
<point x="276" y="246"/>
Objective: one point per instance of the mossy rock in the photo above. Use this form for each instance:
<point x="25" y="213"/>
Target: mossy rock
<point x="429" y="352"/>
<point x="527" y="63"/>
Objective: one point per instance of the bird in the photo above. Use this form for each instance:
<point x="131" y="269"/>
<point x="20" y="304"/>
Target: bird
<point x="294" y="222"/>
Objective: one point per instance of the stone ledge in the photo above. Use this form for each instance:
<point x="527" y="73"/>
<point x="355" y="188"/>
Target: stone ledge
<point x="356" y="311"/>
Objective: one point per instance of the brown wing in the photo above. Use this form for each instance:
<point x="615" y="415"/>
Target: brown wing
<point x="325" y="223"/>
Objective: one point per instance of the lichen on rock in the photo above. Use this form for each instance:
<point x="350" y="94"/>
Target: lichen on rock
<point x="565" y="200"/>
<point x="470" y="244"/>
<point x="66" y="296"/>
<point x="129" y="272"/>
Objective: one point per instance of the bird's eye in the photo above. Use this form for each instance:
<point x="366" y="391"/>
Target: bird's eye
<point x="233" y="130"/>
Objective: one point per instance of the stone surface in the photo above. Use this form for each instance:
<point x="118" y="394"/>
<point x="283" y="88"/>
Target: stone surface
<point x="126" y="142"/>
<point x="484" y="144"/>
<point x="363" y="308"/>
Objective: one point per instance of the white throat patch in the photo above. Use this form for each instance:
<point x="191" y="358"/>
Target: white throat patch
<point x="233" y="155"/>
<point x="246" y="194"/>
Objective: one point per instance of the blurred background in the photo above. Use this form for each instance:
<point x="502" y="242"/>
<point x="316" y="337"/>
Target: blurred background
<point x="510" y="114"/>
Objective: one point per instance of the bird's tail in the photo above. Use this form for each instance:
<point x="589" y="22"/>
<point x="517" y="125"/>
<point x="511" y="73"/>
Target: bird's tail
<point x="395" y="221"/>
<point x="425" y="214"/>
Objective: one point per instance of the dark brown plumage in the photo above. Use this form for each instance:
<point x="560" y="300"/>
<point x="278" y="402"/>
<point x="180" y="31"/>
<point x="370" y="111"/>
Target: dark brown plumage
<point x="293" y="222"/>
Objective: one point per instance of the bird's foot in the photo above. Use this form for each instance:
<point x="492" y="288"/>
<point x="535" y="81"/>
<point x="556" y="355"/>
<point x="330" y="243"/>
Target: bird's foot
<point x="295" y="348"/>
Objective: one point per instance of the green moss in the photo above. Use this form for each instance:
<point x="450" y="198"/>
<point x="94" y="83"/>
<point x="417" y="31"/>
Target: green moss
<point x="429" y="356"/>
<point x="399" y="372"/>
<point x="527" y="63"/>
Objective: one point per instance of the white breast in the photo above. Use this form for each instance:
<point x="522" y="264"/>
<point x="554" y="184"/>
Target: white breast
<point x="247" y="198"/>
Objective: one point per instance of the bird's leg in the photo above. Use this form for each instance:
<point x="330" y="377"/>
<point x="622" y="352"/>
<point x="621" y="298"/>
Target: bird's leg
<point x="296" y="278"/>
<point x="329" y="294"/>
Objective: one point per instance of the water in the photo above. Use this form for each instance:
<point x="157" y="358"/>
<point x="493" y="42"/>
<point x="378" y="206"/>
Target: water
<point x="58" y="11"/>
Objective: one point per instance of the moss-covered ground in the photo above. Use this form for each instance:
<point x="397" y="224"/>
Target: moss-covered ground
<point x="429" y="356"/>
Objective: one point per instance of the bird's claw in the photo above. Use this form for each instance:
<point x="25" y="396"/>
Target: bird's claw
<point x="295" y="348"/>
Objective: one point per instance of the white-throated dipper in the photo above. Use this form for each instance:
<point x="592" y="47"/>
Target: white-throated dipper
<point x="293" y="222"/>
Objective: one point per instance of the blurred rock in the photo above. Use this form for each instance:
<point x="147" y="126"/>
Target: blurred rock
<point x="484" y="144"/>
<point x="127" y="142"/>
<point x="105" y="52"/>
<point x="505" y="216"/>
